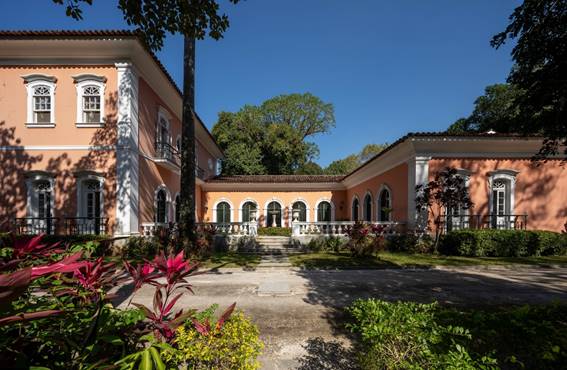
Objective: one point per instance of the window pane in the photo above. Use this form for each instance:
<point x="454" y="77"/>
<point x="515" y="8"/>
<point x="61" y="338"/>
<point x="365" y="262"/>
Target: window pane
<point x="246" y="210"/>
<point x="91" y="117"/>
<point x="324" y="212"/>
<point x="42" y="117"/>
<point x="223" y="212"/>
<point x="161" y="207"/>
<point x="300" y="206"/>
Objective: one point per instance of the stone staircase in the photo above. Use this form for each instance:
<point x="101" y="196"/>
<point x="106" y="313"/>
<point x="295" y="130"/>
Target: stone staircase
<point x="272" y="245"/>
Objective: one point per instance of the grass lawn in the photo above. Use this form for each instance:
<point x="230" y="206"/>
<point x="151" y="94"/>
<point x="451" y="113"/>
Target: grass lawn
<point x="343" y="260"/>
<point x="230" y="259"/>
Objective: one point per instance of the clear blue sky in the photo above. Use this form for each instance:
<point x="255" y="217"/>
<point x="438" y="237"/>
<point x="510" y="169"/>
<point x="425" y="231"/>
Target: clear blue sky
<point x="389" y="67"/>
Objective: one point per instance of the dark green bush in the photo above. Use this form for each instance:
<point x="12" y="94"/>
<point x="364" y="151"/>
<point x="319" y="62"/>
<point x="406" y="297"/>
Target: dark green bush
<point x="274" y="231"/>
<point x="140" y="247"/>
<point x="96" y="244"/>
<point x="503" y="243"/>
<point x="407" y="335"/>
<point x="327" y="244"/>
<point x="409" y="243"/>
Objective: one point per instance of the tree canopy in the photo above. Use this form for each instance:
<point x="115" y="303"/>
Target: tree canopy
<point x="273" y="138"/>
<point x="496" y="110"/>
<point x="540" y="70"/>
<point x="351" y="162"/>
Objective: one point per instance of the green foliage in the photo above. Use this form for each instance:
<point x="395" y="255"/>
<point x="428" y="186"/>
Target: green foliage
<point x="310" y="168"/>
<point x="540" y="55"/>
<point x="353" y="161"/>
<point x="327" y="244"/>
<point x="410" y="243"/>
<point x="103" y="240"/>
<point x="235" y="346"/>
<point x="148" y="358"/>
<point x="274" y="231"/>
<point x="272" y="138"/>
<point x="496" y="110"/>
<point x="364" y="239"/>
<point x="406" y="335"/>
<point x="140" y="247"/>
<point x="503" y="243"/>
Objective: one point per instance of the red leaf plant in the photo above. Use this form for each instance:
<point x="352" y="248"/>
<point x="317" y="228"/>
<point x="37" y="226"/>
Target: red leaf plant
<point x="34" y="248"/>
<point x="206" y="329"/>
<point x="174" y="269"/>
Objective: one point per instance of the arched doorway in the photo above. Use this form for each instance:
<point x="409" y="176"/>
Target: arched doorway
<point x="301" y="208"/>
<point x="274" y="215"/>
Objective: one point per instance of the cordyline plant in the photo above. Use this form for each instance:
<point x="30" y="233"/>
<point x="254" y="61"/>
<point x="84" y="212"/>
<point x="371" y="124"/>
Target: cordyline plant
<point x="174" y="269"/>
<point x="365" y="239"/>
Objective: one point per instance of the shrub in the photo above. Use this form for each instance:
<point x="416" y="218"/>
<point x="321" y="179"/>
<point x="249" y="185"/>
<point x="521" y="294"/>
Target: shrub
<point x="274" y="231"/>
<point x="410" y="243"/>
<point x="326" y="243"/>
<point x="365" y="240"/>
<point x="503" y="243"/>
<point x="235" y="346"/>
<point x="140" y="247"/>
<point x="406" y="335"/>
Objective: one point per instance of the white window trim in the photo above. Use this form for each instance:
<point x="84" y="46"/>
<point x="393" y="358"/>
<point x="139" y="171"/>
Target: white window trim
<point x="379" y="202"/>
<point x="32" y="81"/>
<point x="81" y="178"/>
<point x="240" y="209"/>
<point x="167" y="203"/>
<point x="30" y="179"/>
<point x="221" y="200"/>
<point x="317" y="209"/>
<point x="81" y="81"/>
<point x="163" y="114"/>
<point x="509" y="175"/>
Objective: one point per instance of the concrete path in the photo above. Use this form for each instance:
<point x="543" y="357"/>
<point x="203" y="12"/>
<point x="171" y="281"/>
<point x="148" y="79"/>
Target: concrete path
<point x="299" y="311"/>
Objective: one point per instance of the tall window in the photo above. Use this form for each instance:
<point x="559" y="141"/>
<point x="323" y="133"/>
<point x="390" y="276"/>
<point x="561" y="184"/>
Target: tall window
<point x="368" y="207"/>
<point x="274" y="214"/>
<point x="161" y="206"/>
<point x="92" y="191"/>
<point x="302" y="209"/>
<point x="384" y="206"/>
<point x="355" y="208"/>
<point x="90" y="100"/>
<point x="324" y="212"/>
<point x="42" y="104"/>
<point x="41" y="199"/>
<point x="247" y="209"/>
<point x="91" y="104"/>
<point x="177" y="206"/>
<point x="223" y="212"/>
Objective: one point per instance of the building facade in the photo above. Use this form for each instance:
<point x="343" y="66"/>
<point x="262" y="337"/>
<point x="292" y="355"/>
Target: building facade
<point x="90" y="125"/>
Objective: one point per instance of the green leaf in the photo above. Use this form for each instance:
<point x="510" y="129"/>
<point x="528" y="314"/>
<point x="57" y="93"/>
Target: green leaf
<point x="146" y="363"/>
<point x="157" y="358"/>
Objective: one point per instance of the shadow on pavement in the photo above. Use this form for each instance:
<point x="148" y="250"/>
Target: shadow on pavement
<point x="327" y="355"/>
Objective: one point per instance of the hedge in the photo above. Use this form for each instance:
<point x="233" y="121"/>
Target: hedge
<point x="6" y="238"/>
<point x="503" y="243"/>
<point x="274" y="231"/>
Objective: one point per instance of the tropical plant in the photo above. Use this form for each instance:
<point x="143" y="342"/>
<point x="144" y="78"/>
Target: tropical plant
<point x="365" y="239"/>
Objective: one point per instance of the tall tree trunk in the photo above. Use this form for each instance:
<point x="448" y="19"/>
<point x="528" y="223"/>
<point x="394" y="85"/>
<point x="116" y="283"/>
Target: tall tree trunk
<point x="187" y="193"/>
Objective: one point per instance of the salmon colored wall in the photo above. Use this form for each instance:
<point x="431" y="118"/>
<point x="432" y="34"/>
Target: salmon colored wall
<point x="397" y="180"/>
<point x="541" y="192"/>
<point x="62" y="163"/>
<point x="237" y="198"/>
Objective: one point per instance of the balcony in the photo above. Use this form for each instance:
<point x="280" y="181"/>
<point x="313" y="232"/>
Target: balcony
<point x="491" y="221"/>
<point x="35" y="225"/>
<point x="167" y="156"/>
<point x="52" y="226"/>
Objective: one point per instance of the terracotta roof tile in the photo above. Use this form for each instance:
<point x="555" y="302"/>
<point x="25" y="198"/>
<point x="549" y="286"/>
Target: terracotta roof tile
<point x="274" y="179"/>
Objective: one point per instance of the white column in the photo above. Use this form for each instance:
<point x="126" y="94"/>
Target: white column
<point x="418" y="174"/>
<point x="127" y="174"/>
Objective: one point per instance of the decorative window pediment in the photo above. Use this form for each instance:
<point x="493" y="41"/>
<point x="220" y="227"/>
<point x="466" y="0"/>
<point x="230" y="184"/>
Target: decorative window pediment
<point x="90" y="100"/>
<point x="41" y="100"/>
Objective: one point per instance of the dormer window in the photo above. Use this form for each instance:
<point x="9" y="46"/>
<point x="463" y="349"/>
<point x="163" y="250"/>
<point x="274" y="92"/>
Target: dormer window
<point x="41" y="100"/>
<point x="90" y="100"/>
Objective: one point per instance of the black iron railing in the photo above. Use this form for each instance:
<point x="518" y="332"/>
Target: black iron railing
<point x="168" y="152"/>
<point x="35" y="225"/>
<point x="504" y="222"/>
<point x="85" y="225"/>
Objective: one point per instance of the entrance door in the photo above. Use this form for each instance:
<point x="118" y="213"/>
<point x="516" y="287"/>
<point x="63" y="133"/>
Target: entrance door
<point x="274" y="216"/>
<point x="499" y="204"/>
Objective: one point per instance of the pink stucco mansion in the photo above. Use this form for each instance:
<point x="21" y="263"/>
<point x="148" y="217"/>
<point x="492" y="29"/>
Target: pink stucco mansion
<point x="90" y="134"/>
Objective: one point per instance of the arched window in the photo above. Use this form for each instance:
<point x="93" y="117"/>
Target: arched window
<point x="368" y="208"/>
<point x="41" y="104"/>
<point x="40" y="100"/>
<point x="161" y="206"/>
<point x="90" y="99"/>
<point x="40" y="204"/>
<point x="163" y="147"/>
<point x="384" y="205"/>
<point x="355" y="208"/>
<point x="223" y="212"/>
<point x="177" y="207"/>
<point x="274" y="215"/>
<point x="247" y="209"/>
<point x="302" y="209"/>
<point x="324" y="212"/>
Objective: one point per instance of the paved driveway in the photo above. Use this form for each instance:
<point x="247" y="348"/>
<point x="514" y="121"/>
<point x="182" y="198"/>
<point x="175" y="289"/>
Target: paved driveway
<point x="298" y="312"/>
